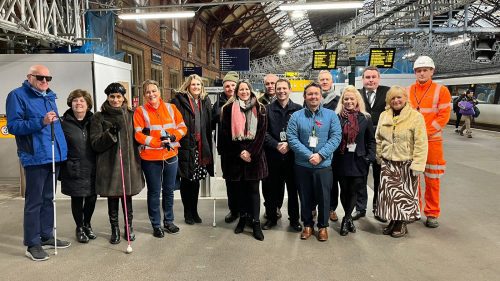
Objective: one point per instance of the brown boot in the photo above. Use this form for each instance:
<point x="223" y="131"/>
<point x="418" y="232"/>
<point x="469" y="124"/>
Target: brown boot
<point x="323" y="234"/>
<point x="306" y="233"/>
<point x="333" y="216"/>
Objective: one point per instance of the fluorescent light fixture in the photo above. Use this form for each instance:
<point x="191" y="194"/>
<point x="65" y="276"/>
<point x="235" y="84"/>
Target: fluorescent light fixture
<point x="282" y="52"/>
<point x="297" y="14"/>
<point x="162" y="15"/>
<point x="322" y="6"/>
<point x="408" y="55"/>
<point x="285" y="45"/>
<point x="458" y="41"/>
<point x="289" y="32"/>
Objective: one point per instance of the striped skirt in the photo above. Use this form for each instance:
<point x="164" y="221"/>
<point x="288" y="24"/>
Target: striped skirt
<point x="398" y="192"/>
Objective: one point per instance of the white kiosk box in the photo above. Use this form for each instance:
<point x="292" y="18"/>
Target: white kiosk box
<point x="89" y="72"/>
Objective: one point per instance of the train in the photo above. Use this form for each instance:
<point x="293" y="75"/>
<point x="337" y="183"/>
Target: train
<point x="487" y="92"/>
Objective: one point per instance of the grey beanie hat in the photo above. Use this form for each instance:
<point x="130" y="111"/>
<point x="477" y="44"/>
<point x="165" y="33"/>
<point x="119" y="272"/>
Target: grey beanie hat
<point x="231" y="76"/>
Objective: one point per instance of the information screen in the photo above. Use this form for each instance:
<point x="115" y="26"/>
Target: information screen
<point x="382" y="57"/>
<point x="189" y="70"/>
<point x="324" y="59"/>
<point x="237" y="59"/>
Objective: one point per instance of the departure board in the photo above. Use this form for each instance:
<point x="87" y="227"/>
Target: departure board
<point x="237" y="59"/>
<point x="382" y="57"/>
<point x="324" y="59"/>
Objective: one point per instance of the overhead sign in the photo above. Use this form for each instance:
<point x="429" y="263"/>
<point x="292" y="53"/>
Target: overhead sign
<point x="351" y="62"/>
<point x="291" y="74"/>
<point x="382" y="57"/>
<point x="155" y="56"/>
<point x="324" y="59"/>
<point x="190" y="70"/>
<point x="237" y="59"/>
<point x="299" y="85"/>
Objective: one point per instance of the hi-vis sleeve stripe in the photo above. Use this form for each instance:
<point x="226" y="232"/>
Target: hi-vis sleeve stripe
<point x="146" y="116"/>
<point x="148" y="140"/>
<point x="435" y="100"/>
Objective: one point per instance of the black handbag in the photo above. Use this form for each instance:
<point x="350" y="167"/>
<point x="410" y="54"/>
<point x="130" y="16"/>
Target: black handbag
<point x="476" y="112"/>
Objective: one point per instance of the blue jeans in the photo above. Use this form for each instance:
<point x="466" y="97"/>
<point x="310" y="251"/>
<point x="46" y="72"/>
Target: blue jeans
<point x="160" y="175"/>
<point x="38" y="206"/>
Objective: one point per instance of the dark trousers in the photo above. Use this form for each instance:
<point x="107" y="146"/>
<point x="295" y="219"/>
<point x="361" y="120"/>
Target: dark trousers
<point x="457" y="122"/>
<point x="273" y="190"/>
<point x="349" y="187"/>
<point x="83" y="209"/>
<point x="334" y="194"/>
<point x="38" y="205"/>
<point x="314" y="187"/>
<point x="232" y="190"/>
<point x="113" y="204"/>
<point x="249" y="198"/>
<point x="190" y="191"/>
<point x="160" y="177"/>
<point x="362" y="194"/>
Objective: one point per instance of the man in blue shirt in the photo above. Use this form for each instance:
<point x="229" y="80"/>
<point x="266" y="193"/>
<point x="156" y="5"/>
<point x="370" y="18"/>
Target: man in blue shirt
<point x="31" y="109"/>
<point x="313" y="134"/>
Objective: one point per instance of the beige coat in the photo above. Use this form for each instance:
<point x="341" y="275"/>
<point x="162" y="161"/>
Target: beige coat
<point x="405" y="139"/>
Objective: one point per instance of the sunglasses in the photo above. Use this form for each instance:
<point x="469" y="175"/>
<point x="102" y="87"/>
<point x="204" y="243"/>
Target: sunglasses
<point x="41" y="77"/>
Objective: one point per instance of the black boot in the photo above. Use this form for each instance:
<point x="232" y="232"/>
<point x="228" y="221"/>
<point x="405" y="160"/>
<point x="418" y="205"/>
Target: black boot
<point x="113" y="220"/>
<point x="257" y="231"/>
<point x="344" y="229"/>
<point x="388" y="229"/>
<point x="130" y="217"/>
<point x="88" y="231"/>
<point x="351" y="226"/>
<point x="81" y="236"/>
<point x="241" y="224"/>
<point x="194" y="203"/>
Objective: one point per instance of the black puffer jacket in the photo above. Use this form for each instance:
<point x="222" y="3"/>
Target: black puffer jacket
<point x="78" y="172"/>
<point x="188" y="142"/>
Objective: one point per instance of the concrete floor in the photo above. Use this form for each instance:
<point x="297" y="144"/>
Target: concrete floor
<point x="465" y="247"/>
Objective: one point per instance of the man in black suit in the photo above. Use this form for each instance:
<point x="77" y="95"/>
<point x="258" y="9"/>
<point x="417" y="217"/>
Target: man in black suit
<point x="330" y="101"/>
<point x="374" y="98"/>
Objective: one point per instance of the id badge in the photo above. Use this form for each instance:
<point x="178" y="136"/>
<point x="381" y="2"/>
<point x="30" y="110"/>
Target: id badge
<point x="313" y="141"/>
<point x="282" y="136"/>
<point x="351" y="147"/>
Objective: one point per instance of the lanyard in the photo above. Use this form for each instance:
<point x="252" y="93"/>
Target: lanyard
<point x="416" y="99"/>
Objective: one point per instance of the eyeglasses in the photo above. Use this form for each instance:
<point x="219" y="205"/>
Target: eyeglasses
<point x="41" y="77"/>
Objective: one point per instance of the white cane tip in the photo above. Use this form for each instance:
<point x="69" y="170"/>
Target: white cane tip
<point x="129" y="249"/>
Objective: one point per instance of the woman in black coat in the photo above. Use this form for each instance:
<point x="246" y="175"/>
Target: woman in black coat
<point x="111" y="129"/>
<point x="195" y="152"/>
<point x="78" y="172"/>
<point x="355" y="152"/>
<point x="244" y="126"/>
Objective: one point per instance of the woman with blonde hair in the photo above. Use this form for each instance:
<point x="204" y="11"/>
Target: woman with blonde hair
<point x="244" y="126"/>
<point x="402" y="152"/>
<point x="355" y="152"/>
<point x="195" y="152"/>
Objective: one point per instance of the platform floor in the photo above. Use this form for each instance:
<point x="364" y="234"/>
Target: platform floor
<point x="465" y="247"/>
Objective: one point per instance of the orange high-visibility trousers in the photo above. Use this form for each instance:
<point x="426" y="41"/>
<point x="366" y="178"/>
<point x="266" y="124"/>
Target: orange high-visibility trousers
<point x="434" y="169"/>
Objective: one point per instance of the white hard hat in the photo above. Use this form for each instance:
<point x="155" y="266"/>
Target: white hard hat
<point x="423" y="61"/>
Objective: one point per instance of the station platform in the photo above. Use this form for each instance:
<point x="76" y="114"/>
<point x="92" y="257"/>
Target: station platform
<point x="466" y="246"/>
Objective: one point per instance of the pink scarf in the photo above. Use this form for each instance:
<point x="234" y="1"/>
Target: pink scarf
<point x="243" y="120"/>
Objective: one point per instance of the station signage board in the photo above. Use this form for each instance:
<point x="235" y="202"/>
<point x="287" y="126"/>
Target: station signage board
<point x="299" y="85"/>
<point x="324" y="59"/>
<point x="235" y="59"/>
<point x="291" y="74"/>
<point x="190" y="70"/>
<point x="155" y="56"/>
<point x="382" y="57"/>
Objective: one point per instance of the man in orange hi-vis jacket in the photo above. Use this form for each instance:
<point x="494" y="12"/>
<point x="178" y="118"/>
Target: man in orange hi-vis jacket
<point x="433" y="101"/>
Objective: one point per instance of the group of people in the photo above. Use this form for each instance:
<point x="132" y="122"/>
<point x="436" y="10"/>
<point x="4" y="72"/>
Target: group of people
<point x="313" y="149"/>
<point x="465" y="105"/>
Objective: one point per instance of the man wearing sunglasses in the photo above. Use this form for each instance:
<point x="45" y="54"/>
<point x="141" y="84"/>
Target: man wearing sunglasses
<point x="31" y="111"/>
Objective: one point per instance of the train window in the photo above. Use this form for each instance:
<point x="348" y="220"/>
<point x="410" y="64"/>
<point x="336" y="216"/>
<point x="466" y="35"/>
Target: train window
<point x="485" y="93"/>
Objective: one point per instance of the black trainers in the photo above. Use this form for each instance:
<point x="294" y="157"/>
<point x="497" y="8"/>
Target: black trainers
<point x="171" y="228"/>
<point x="36" y="253"/>
<point x="49" y="244"/>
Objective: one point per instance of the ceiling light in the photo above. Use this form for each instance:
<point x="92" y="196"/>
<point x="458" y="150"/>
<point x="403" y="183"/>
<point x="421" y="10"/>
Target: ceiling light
<point x="322" y="6"/>
<point x="289" y="32"/>
<point x="458" y="41"/>
<point x="162" y="15"/>
<point x="297" y="14"/>
<point x="408" y="55"/>
<point x="282" y="52"/>
<point x="285" y="45"/>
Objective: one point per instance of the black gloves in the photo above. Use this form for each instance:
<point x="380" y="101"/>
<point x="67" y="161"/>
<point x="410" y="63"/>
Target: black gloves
<point x="115" y="128"/>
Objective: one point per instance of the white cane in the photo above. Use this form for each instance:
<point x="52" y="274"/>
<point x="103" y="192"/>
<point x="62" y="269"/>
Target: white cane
<point x="54" y="185"/>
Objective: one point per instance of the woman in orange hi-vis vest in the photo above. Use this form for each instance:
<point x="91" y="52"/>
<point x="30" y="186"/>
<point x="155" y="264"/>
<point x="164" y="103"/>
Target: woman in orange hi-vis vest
<point x="434" y="102"/>
<point x="158" y="128"/>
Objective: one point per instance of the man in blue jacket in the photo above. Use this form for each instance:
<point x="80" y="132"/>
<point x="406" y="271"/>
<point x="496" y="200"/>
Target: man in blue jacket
<point x="31" y="109"/>
<point x="313" y="134"/>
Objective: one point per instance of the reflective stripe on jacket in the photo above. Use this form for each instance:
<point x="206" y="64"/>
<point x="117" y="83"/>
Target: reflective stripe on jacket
<point x="165" y="118"/>
<point x="434" y="102"/>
